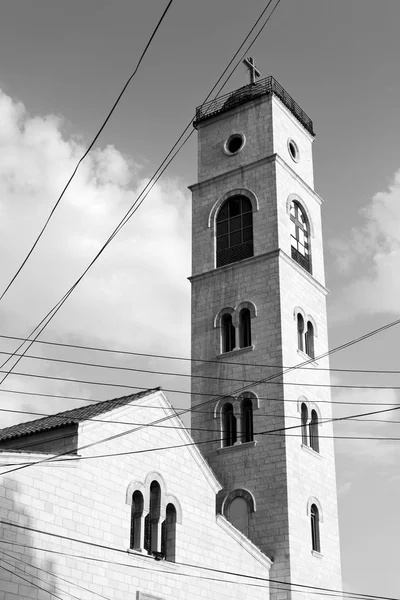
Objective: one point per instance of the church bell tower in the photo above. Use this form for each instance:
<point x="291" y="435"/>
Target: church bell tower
<point x="258" y="307"/>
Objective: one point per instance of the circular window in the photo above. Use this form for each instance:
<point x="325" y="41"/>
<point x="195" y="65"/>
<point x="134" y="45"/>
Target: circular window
<point x="234" y="143"/>
<point x="293" y="150"/>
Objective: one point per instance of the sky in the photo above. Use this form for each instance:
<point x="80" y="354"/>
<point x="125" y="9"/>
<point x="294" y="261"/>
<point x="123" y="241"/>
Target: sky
<point x="62" y="66"/>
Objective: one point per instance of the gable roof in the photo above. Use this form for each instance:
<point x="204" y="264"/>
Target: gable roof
<point x="70" y="417"/>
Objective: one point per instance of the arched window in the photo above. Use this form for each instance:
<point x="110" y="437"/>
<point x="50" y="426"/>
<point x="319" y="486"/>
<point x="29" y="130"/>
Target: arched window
<point x="304" y="420"/>
<point x="315" y="539"/>
<point x="168" y="534"/>
<point x="300" y="331"/>
<point x="151" y="535"/>
<point x="228" y="333"/>
<point x="234" y="230"/>
<point x="309" y="339"/>
<point x="239" y="514"/>
<point x="247" y="420"/>
<point x="314" y="439"/>
<point x="136" y="521"/>
<point x="229" y="434"/>
<point x="299" y="231"/>
<point x="244" y="328"/>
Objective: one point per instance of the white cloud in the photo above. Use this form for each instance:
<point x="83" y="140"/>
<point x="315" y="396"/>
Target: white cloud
<point x="137" y="294"/>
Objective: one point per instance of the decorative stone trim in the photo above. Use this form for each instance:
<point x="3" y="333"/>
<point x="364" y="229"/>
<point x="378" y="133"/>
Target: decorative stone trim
<point x="237" y="447"/>
<point x="311" y="451"/>
<point x="239" y="493"/>
<point x="236" y="192"/>
<point x="311" y="501"/>
<point x="236" y="351"/>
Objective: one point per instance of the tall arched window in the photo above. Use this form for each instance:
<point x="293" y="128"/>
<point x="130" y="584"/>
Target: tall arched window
<point x="234" y="230"/>
<point x="309" y="339"/>
<point x="315" y="539"/>
<point x="247" y="420"/>
<point x="244" y="328"/>
<point x="300" y="331"/>
<point x="304" y="420"/>
<point x="228" y="333"/>
<point x="299" y="231"/>
<point x="239" y="514"/>
<point x="229" y="433"/>
<point x="168" y="534"/>
<point x="136" y="521"/>
<point x="313" y="427"/>
<point x="152" y="522"/>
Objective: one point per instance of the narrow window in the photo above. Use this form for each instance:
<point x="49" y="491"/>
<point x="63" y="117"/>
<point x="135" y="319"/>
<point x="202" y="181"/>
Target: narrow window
<point x="239" y="514"/>
<point x="229" y="435"/>
<point x="316" y="546"/>
<point x="234" y="231"/>
<point x="304" y="420"/>
<point x="245" y="328"/>
<point x="309" y="339"/>
<point x="152" y="520"/>
<point x="228" y="333"/>
<point x="247" y="420"/>
<point x="136" y="521"/>
<point x="300" y="332"/>
<point x="299" y="236"/>
<point x="168" y="534"/>
<point x="314" y="440"/>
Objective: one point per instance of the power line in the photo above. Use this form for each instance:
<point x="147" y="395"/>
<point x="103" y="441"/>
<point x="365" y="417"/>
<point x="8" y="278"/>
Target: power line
<point x="88" y="150"/>
<point x="39" y="587"/>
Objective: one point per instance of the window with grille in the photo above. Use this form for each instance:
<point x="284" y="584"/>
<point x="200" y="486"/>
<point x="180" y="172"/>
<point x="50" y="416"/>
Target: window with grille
<point x="299" y="232"/>
<point x="234" y="233"/>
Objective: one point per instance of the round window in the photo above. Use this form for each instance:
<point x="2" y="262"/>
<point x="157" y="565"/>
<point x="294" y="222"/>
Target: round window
<point x="234" y="143"/>
<point x="293" y="150"/>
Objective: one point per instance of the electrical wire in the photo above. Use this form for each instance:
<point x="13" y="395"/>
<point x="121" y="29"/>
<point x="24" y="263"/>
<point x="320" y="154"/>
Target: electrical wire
<point x="87" y="151"/>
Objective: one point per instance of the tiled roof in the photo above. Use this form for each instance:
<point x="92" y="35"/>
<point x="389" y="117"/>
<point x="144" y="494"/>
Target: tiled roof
<point x="70" y="417"/>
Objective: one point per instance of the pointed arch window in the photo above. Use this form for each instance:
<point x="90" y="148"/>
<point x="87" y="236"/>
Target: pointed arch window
<point x="300" y="332"/>
<point x="313" y="427"/>
<point x="228" y="333"/>
<point x="245" y="328"/>
<point x="247" y="420"/>
<point x="229" y="429"/>
<point x="309" y="340"/>
<point x="315" y="537"/>
<point x="234" y="233"/>
<point x="168" y="534"/>
<point x="136" y="521"/>
<point x="304" y="421"/>
<point x="299" y="231"/>
<point x="152" y="521"/>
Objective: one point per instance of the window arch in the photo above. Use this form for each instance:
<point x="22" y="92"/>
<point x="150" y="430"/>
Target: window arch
<point x="234" y="230"/>
<point x="300" y="238"/>
<point x="300" y="332"/>
<point x="152" y="541"/>
<point x="304" y="421"/>
<point x="246" y="410"/>
<point x="244" y="328"/>
<point x="168" y="534"/>
<point x="315" y="537"/>
<point x="313" y="427"/>
<point x="228" y="333"/>
<point x="136" y="540"/>
<point x="229" y="429"/>
<point x="309" y="340"/>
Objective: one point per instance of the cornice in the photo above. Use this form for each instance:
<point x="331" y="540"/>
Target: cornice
<point x="250" y="260"/>
<point x="244" y="541"/>
<point x="298" y="179"/>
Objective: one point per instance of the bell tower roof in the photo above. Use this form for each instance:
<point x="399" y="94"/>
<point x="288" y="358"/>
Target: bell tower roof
<point x="264" y="87"/>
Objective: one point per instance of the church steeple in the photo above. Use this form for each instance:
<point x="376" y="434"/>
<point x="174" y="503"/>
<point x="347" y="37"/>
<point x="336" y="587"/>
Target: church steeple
<point x="258" y="302"/>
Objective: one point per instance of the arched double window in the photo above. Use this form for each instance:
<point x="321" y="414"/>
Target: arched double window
<point x="234" y="233"/>
<point x="228" y="333"/>
<point x="229" y="428"/>
<point x="299" y="233"/>
<point x="305" y="335"/>
<point x="309" y="427"/>
<point x="315" y="537"/>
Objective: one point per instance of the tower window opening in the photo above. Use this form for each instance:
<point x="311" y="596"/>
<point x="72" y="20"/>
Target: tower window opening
<point x="313" y="427"/>
<point x="315" y="538"/>
<point x="234" y="143"/>
<point x="309" y="340"/>
<point x="293" y="150"/>
<point x="234" y="234"/>
<point x="229" y="430"/>
<point x="168" y="534"/>
<point x="300" y="248"/>
<point x="228" y="333"/>
<point x="136" y="521"/>
<point x="245" y="328"/>
<point x="304" y="421"/>
<point x="152" y="539"/>
<point x="300" y="332"/>
<point x="247" y="420"/>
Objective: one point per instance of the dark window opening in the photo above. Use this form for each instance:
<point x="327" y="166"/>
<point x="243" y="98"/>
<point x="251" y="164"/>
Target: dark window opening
<point x="234" y="231"/>
<point x="228" y="333"/>
<point x="309" y="340"/>
<point x="229" y="430"/>
<point x="300" y="246"/>
<point x="245" y="328"/>
<point x="168" y="534"/>
<point x="314" y="438"/>
<point x="234" y="143"/>
<point x="300" y="332"/>
<point x="247" y="420"/>
<point x="304" y="420"/>
<point x="151" y="522"/>
<point x="316" y="546"/>
<point x="136" y="521"/>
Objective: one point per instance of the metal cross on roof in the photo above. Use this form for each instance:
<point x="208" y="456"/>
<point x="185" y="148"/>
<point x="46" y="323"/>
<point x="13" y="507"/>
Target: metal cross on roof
<point x="254" y="72"/>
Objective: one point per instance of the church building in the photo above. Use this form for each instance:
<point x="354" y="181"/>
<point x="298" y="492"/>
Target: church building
<point x="117" y="499"/>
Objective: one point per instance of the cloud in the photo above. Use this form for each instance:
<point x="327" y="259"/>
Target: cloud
<point x="370" y="256"/>
<point x="137" y="294"/>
